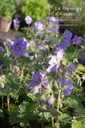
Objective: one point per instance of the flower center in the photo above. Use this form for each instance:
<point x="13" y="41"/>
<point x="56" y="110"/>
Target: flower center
<point x="18" y="47"/>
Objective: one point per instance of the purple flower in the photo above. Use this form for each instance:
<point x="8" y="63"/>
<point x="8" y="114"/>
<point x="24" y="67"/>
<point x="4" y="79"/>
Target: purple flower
<point x="1" y="49"/>
<point x="27" y="54"/>
<point x="52" y="19"/>
<point x="28" y="44"/>
<point x="16" y="22"/>
<point x="57" y="27"/>
<point x="39" y="26"/>
<point x="48" y="102"/>
<point x="46" y="40"/>
<point x="52" y="68"/>
<point x="31" y="85"/>
<point x="41" y="47"/>
<point x="68" y="86"/>
<point x="55" y="61"/>
<point x="57" y="58"/>
<point x="53" y="25"/>
<point x="67" y="34"/>
<point x="44" y="82"/>
<point x="70" y="69"/>
<point x="77" y="40"/>
<point x="38" y="76"/>
<point x="66" y="39"/>
<point x="38" y="80"/>
<point x="5" y="55"/>
<point x="10" y="42"/>
<point x="28" y="20"/>
<point x="19" y="47"/>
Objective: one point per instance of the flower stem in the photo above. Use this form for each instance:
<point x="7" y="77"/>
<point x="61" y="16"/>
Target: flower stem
<point x="58" y="104"/>
<point x="2" y="104"/>
<point x="53" y="125"/>
<point x="43" y="120"/>
<point x="8" y="102"/>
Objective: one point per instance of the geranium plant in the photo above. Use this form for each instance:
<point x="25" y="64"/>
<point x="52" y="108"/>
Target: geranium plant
<point x="39" y="78"/>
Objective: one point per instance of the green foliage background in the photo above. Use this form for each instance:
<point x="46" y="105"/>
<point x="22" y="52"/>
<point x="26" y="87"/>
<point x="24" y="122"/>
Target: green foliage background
<point x="7" y="8"/>
<point x="35" y="8"/>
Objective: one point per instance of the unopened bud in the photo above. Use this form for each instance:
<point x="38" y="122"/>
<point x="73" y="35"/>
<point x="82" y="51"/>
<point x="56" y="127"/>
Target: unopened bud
<point x="15" y="69"/>
<point x="50" y="100"/>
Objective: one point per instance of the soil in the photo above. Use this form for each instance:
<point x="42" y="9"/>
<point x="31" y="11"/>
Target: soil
<point x="11" y="34"/>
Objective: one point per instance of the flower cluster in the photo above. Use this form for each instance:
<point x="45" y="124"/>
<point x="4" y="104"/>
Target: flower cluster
<point x="39" y="81"/>
<point x="52" y="25"/>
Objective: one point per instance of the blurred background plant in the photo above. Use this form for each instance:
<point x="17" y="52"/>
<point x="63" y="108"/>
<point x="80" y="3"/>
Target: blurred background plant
<point x="7" y="9"/>
<point x="36" y="9"/>
<point x="44" y="8"/>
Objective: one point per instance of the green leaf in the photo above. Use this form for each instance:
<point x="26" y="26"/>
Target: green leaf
<point x="48" y="126"/>
<point x="78" y="124"/>
<point x="31" y="96"/>
<point x="3" y="93"/>
<point x="65" y="125"/>
<point x="14" y="117"/>
<point x="63" y="117"/>
<point x="80" y="111"/>
<point x="70" y="49"/>
<point x="21" y="92"/>
<point x="70" y="56"/>
<point x="70" y="102"/>
<point x="1" y="113"/>
<point x="27" y="107"/>
<point x="38" y="66"/>
<point x="13" y="95"/>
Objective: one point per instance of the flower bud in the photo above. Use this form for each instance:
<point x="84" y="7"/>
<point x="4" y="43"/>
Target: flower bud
<point x="50" y="100"/>
<point x="15" y="69"/>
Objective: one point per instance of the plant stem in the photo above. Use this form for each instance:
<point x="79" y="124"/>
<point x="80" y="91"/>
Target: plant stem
<point x="21" y="83"/>
<point x="8" y="102"/>
<point x="43" y="120"/>
<point x="2" y="104"/>
<point x="58" y="105"/>
<point x="53" y="125"/>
